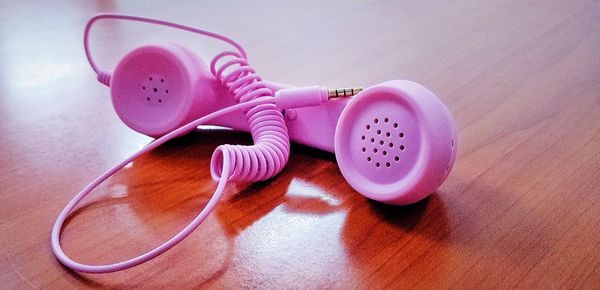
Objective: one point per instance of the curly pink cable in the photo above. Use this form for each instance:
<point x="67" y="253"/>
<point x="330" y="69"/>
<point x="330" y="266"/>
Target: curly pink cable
<point x="260" y="161"/>
<point x="271" y="148"/>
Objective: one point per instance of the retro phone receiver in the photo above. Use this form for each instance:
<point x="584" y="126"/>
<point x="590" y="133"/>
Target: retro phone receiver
<point x="394" y="142"/>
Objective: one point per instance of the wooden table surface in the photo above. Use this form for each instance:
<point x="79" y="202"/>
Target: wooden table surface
<point x="521" y="207"/>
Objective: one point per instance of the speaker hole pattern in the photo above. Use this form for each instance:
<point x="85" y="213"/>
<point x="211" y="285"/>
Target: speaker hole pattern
<point x="383" y="143"/>
<point x="155" y="89"/>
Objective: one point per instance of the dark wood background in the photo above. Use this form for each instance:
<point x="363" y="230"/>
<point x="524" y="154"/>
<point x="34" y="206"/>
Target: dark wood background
<point x="520" y="209"/>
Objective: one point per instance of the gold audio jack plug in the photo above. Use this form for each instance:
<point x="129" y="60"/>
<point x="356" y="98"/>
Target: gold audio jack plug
<point x="343" y="92"/>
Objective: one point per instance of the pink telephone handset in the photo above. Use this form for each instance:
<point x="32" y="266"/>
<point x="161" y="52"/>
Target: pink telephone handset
<point x="394" y="142"/>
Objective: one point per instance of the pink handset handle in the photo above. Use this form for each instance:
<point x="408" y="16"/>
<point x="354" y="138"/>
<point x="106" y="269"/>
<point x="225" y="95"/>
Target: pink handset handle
<point x="312" y="126"/>
<point x="315" y="126"/>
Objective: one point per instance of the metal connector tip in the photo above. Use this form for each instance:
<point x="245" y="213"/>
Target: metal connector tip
<point x="343" y="92"/>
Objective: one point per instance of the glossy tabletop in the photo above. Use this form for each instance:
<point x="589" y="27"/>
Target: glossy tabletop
<point x="521" y="208"/>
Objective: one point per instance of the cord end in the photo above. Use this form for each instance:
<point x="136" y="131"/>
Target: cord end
<point x="311" y="96"/>
<point x="104" y="77"/>
<point x="343" y="92"/>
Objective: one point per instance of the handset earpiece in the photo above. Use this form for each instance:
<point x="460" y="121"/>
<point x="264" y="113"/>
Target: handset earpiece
<point x="158" y="88"/>
<point x="395" y="142"/>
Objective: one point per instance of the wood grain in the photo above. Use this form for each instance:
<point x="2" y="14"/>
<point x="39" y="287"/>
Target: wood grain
<point x="520" y="209"/>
